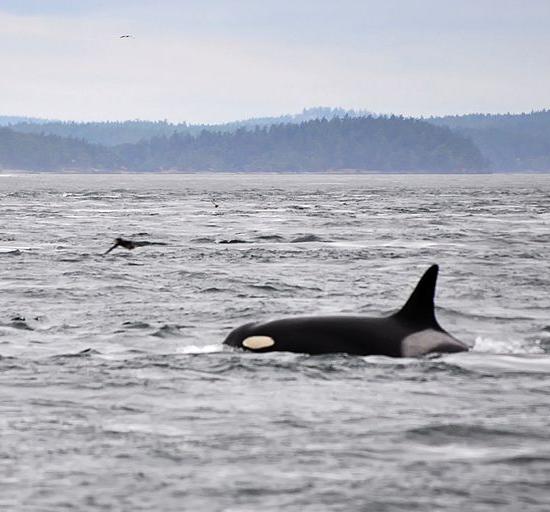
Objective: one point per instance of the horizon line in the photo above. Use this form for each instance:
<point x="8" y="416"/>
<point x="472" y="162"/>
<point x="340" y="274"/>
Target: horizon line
<point x="367" y="112"/>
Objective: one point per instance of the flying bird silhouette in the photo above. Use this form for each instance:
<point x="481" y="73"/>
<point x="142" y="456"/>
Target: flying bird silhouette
<point x="126" y="36"/>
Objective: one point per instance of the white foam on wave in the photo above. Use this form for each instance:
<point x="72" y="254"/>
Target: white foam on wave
<point x="505" y="346"/>
<point x="202" y="349"/>
<point x="390" y="361"/>
<point x="461" y="451"/>
<point x="144" y="428"/>
<point x="500" y="363"/>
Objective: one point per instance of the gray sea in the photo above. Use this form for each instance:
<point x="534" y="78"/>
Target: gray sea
<point x="116" y="393"/>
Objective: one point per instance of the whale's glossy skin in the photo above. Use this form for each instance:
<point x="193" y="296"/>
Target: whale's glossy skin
<point x="413" y="331"/>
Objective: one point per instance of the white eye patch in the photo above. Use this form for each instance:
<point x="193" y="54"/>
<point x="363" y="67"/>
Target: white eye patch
<point x="258" y="342"/>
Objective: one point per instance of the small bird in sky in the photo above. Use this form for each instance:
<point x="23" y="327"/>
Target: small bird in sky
<point x="125" y="36"/>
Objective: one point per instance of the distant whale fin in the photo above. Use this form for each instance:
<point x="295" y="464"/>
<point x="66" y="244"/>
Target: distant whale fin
<point x="420" y="306"/>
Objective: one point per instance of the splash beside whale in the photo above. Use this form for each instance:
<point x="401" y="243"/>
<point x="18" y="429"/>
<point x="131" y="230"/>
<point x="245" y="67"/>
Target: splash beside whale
<point x="411" y="332"/>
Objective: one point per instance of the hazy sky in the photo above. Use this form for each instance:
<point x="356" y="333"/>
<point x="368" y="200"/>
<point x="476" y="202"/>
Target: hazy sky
<point x="219" y="60"/>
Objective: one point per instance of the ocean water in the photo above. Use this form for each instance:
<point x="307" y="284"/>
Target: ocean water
<point x="117" y="394"/>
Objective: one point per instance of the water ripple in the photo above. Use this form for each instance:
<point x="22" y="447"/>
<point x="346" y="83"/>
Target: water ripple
<point x="116" y="392"/>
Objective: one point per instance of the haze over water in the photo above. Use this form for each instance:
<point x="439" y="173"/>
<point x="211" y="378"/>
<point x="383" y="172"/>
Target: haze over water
<point x="117" y="394"/>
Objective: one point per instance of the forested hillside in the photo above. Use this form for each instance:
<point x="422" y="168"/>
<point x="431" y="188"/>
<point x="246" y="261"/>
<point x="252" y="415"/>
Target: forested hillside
<point x="507" y="142"/>
<point x="367" y="143"/>
<point x="113" y="133"/>
<point x="351" y="143"/>
<point x="511" y="142"/>
<point x="25" y="151"/>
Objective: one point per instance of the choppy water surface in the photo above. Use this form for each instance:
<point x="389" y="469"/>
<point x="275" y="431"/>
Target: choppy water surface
<point x="116" y="393"/>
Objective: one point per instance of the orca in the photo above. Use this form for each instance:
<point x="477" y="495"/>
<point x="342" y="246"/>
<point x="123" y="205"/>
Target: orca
<point x="130" y="244"/>
<point x="412" y="331"/>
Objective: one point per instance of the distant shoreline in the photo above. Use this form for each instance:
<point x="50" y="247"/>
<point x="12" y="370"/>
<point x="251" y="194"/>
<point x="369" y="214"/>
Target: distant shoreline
<point x="335" y="141"/>
<point x="349" y="172"/>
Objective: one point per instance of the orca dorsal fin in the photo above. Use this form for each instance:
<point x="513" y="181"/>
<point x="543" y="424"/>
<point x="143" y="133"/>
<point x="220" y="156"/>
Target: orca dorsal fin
<point x="420" y="306"/>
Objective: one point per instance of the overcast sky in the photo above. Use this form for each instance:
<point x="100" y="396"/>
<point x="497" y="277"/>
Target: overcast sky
<point x="220" y="60"/>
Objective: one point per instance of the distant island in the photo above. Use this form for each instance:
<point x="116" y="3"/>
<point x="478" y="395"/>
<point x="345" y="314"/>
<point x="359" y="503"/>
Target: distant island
<point x="510" y="142"/>
<point x="319" y="139"/>
<point x="113" y="133"/>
